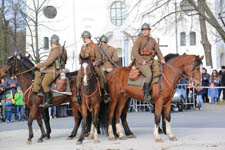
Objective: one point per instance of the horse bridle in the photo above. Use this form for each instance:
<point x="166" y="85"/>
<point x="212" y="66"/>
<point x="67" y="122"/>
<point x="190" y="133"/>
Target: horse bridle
<point x="182" y="75"/>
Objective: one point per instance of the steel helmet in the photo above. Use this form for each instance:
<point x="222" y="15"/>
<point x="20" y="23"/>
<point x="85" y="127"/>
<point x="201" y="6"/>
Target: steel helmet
<point x="86" y="34"/>
<point x="104" y="38"/>
<point x="55" y="39"/>
<point x="145" y="26"/>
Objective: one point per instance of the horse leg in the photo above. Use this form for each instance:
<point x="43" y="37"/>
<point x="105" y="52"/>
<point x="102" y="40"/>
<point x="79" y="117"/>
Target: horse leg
<point x="31" y="117"/>
<point x="45" y="113"/>
<point x="123" y="117"/>
<point x="158" y="110"/>
<point x="43" y="134"/>
<point x="167" y="118"/>
<point x="112" y="106"/>
<point x="121" y="104"/>
<point x="77" y="119"/>
<point x="95" y="122"/>
<point x="84" y="124"/>
<point x="163" y="130"/>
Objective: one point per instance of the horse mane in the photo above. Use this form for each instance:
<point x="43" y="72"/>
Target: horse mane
<point x="170" y="56"/>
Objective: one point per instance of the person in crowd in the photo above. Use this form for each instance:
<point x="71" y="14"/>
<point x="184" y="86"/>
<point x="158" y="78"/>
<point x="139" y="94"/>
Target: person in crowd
<point x="19" y="105"/>
<point x="9" y="109"/>
<point x="215" y="78"/>
<point x="200" y="97"/>
<point x="2" y="98"/>
<point x="213" y="93"/>
<point x="205" y="82"/>
<point x="10" y="85"/>
<point x="223" y="81"/>
<point x="182" y="85"/>
<point x="220" y="84"/>
<point x="53" y="112"/>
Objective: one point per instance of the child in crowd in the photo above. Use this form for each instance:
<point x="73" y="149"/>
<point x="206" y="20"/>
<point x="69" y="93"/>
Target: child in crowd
<point x="19" y="104"/>
<point x="213" y="93"/>
<point x="9" y="107"/>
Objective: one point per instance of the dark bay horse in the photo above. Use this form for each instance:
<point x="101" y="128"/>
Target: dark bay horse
<point x="91" y="99"/>
<point x="21" y="66"/>
<point x="181" y="66"/>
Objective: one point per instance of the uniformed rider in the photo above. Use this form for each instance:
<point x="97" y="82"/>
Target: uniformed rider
<point x="92" y="50"/>
<point x="143" y="51"/>
<point x="50" y="69"/>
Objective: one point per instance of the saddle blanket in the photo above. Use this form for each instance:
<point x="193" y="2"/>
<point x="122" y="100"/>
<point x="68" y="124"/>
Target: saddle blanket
<point x="141" y="81"/>
<point x="56" y="93"/>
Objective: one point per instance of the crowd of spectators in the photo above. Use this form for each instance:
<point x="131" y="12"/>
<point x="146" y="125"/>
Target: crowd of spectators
<point x="12" y="104"/>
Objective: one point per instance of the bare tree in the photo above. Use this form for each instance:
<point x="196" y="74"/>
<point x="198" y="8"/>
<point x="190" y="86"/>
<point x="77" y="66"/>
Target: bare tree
<point x="31" y="17"/>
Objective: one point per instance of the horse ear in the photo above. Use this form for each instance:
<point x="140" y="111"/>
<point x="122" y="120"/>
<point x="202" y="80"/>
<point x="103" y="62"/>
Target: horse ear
<point x="202" y="57"/>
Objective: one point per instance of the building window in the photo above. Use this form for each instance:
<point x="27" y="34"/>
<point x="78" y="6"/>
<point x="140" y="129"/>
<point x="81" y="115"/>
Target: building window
<point x="46" y="43"/>
<point x="192" y="38"/>
<point x="50" y="12"/>
<point x="118" y="13"/>
<point x="182" y="39"/>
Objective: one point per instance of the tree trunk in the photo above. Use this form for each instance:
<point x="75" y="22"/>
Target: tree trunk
<point x="205" y="42"/>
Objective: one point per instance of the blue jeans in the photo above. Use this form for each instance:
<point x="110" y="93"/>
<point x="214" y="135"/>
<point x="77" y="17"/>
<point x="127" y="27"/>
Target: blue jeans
<point x="9" y="115"/>
<point x="19" y="110"/>
<point x="200" y="100"/>
<point x="53" y="110"/>
<point x="213" y="99"/>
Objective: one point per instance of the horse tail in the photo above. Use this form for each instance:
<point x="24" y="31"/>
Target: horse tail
<point x="104" y="117"/>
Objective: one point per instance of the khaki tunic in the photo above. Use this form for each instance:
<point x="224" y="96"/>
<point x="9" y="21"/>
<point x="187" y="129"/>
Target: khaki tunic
<point x="151" y="46"/>
<point x="49" y="63"/>
<point x="93" y="51"/>
<point x="111" y="52"/>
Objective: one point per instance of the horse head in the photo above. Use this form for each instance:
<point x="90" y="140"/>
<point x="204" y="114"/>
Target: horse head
<point x="193" y="69"/>
<point x="87" y="69"/>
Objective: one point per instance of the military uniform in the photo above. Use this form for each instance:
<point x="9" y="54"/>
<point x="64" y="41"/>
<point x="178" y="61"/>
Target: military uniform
<point x="93" y="51"/>
<point x="55" y="61"/>
<point x="111" y="52"/>
<point x="144" y="50"/>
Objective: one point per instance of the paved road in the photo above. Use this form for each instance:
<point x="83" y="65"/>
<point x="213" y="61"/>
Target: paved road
<point x="198" y="130"/>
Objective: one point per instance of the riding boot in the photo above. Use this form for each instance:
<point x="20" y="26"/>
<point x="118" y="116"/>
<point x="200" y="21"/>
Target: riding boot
<point x="147" y="96"/>
<point x="48" y="100"/>
<point x="77" y="97"/>
<point x="106" y="95"/>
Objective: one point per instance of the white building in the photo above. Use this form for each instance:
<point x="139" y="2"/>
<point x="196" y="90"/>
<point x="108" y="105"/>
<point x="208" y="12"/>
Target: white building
<point x="121" y="20"/>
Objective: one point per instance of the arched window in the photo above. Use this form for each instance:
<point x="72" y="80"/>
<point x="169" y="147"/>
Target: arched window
<point x="118" y="13"/>
<point x="192" y="38"/>
<point x="182" y="39"/>
<point x="46" y="43"/>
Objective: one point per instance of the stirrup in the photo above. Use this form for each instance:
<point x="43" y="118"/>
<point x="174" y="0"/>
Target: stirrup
<point x="147" y="97"/>
<point x="106" y="98"/>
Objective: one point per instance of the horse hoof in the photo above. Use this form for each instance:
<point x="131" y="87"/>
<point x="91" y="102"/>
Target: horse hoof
<point x="96" y="141"/>
<point x="122" y="138"/>
<point x="69" y="138"/>
<point x="90" y="137"/>
<point x="40" y="140"/>
<point x="47" y="137"/>
<point x="159" y="140"/>
<point x="79" y="142"/>
<point x="29" y="142"/>
<point x="86" y="134"/>
<point x="131" y="136"/>
<point x="112" y="138"/>
<point x="173" y="138"/>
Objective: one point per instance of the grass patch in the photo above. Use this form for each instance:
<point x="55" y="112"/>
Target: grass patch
<point x="220" y="102"/>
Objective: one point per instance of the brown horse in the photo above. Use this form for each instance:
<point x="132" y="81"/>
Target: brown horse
<point x="21" y="67"/>
<point x="91" y="99"/>
<point x="182" y="66"/>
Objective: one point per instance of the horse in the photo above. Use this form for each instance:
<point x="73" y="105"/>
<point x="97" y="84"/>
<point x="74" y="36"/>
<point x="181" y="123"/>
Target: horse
<point x="187" y="66"/>
<point x="91" y="99"/>
<point x="22" y="68"/>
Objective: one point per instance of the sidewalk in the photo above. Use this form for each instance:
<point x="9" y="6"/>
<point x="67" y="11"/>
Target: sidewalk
<point x="213" y="107"/>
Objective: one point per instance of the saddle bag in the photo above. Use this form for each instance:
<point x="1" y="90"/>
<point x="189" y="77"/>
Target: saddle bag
<point x="134" y="74"/>
<point x="60" y="84"/>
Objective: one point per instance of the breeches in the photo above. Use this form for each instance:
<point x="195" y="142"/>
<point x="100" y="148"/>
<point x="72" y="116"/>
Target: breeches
<point x="45" y="83"/>
<point x="98" y="72"/>
<point x="146" y="71"/>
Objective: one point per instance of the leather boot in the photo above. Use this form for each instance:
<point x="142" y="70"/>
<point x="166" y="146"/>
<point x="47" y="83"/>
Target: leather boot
<point x="147" y="96"/>
<point x="106" y="95"/>
<point x="48" y="100"/>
